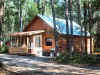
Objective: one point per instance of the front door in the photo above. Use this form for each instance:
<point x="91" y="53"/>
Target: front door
<point x="38" y="45"/>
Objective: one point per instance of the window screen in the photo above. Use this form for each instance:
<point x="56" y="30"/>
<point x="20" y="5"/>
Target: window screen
<point x="38" y="41"/>
<point x="48" y="42"/>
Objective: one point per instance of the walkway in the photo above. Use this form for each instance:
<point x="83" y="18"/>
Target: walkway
<point x="28" y="65"/>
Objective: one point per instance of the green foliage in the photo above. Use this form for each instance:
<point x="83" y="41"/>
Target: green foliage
<point x="11" y="15"/>
<point x="97" y="49"/>
<point x="0" y="48"/>
<point x="68" y="58"/>
<point x="4" y="49"/>
<point x="1" y="3"/>
<point x="97" y="40"/>
<point x="88" y="59"/>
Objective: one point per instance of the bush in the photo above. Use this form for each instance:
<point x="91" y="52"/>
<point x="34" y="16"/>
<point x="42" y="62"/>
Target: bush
<point x="97" y="49"/>
<point x="0" y="48"/>
<point x="4" y="49"/>
<point x="88" y="59"/>
<point x="68" y="58"/>
<point x="64" y="58"/>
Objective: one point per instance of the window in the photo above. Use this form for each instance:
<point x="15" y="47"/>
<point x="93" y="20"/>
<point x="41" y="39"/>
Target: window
<point x="48" y="42"/>
<point x="38" y="41"/>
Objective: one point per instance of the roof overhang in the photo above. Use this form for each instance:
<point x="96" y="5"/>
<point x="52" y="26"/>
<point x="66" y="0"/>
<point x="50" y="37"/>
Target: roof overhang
<point x="29" y="33"/>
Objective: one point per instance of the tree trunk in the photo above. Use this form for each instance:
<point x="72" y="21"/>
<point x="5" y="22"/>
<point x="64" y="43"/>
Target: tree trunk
<point x="90" y="23"/>
<point x="67" y="26"/>
<point x="20" y="15"/>
<point x="8" y="15"/>
<point x="85" y="17"/>
<point x="54" y="22"/>
<point x="38" y="6"/>
<point x="1" y="14"/>
<point x="79" y="22"/>
<point x="71" y="26"/>
<point x="0" y="26"/>
<point x="43" y="7"/>
<point x="98" y="35"/>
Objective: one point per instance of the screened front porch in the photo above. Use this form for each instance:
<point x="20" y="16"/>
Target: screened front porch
<point x="19" y="44"/>
<point x="23" y="42"/>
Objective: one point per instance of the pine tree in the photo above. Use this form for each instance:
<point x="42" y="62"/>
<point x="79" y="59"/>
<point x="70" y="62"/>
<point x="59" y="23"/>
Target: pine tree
<point x="1" y="14"/>
<point x="20" y="15"/>
<point x="67" y="26"/>
<point x="8" y="16"/>
<point x="90" y="22"/>
<point x="54" y="22"/>
<point x="85" y="25"/>
<point x="79" y="21"/>
<point x="71" y="25"/>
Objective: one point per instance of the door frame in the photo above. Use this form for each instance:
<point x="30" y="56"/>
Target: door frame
<point x="38" y="50"/>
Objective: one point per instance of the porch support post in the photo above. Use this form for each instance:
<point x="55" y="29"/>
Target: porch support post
<point x="24" y="40"/>
<point x="27" y="44"/>
<point x="10" y="41"/>
<point x="17" y="41"/>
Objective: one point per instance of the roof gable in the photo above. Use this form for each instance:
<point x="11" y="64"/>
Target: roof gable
<point x="37" y="24"/>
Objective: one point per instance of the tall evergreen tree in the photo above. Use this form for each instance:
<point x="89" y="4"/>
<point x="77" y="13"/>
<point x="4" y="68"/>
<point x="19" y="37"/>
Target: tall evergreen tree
<point x="43" y="7"/>
<point x="79" y="21"/>
<point x="1" y="14"/>
<point x="20" y="15"/>
<point x="8" y="16"/>
<point x="54" y="22"/>
<point x="71" y="25"/>
<point x="12" y="20"/>
<point x="85" y="24"/>
<point x="90" y="22"/>
<point x="67" y="26"/>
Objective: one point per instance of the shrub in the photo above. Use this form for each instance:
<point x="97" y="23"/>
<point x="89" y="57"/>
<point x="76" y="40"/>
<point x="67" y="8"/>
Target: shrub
<point x="4" y="49"/>
<point x="0" y="48"/>
<point x="68" y="58"/>
<point x="88" y="59"/>
<point x="97" y="49"/>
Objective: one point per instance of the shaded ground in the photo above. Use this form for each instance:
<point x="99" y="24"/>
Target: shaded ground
<point x="29" y="65"/>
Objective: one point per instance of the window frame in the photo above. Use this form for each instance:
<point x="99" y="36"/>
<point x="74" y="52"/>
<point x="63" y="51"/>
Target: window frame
<point x="48" y="41"/>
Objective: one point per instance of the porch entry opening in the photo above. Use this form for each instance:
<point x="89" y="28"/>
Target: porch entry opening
<point x="38" y="45"/>
<point x="30" y="45"/>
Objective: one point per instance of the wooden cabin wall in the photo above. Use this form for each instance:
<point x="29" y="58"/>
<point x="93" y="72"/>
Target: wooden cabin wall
<point x="77" y="44"/>
<point x="19" y="50"/>
<point x="79" y="48"/>
<point x="62" y="43"/>
<point x="47" y="48"/>
<point x="37" y="24"/>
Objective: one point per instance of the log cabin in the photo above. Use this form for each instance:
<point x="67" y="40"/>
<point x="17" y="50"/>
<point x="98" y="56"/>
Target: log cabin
<point x="38" y="37"/>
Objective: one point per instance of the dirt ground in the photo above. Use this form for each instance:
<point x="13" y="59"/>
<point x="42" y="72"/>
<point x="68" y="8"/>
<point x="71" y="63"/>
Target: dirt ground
<point x="28" y="65"/>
